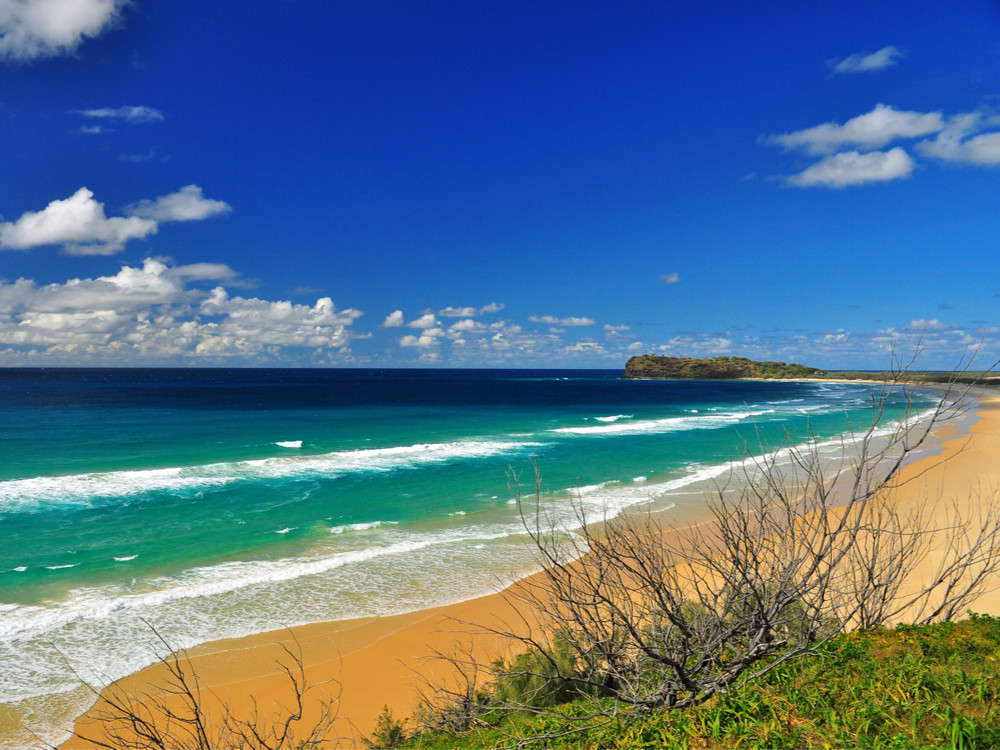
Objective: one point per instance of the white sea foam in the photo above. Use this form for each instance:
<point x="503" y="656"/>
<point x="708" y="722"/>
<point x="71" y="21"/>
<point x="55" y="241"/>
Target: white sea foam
<point x="362" y="526"/>
<point x="38" y="493"/>
<point x="101" y="603"/>
<point x="289" y="443"/>
<point x="126" y="558"/>
<point x="61" y="567"/>
<point x="284" y="530"/>
<point x="668" y="424"/>
<point x="605" y="500"/>
<point x="613" y="418"/>
<point x="84" y="489"/>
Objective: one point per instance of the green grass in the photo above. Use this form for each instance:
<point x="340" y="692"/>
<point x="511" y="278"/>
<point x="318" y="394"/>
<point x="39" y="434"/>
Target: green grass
<point x="911" y="687"/>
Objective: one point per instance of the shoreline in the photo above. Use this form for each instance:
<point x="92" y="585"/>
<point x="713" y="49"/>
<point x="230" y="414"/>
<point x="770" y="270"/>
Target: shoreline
<point x="375" y="660"/>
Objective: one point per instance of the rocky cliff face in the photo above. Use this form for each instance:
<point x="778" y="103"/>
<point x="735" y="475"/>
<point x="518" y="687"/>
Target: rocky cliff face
<point x="716" y="368"/>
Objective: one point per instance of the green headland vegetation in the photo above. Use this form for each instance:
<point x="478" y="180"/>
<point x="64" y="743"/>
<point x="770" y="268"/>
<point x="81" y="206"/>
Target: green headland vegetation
<point x="657" y="367"/>
<point x="716" y="368"/>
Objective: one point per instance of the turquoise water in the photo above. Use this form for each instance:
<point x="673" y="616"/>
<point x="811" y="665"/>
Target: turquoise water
<point x="216" y="503"/>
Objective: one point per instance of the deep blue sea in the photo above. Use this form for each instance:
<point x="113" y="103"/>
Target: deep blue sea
<point x="218" y="503"/>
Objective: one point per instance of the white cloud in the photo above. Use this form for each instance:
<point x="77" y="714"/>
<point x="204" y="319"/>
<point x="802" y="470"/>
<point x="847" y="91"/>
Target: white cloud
<point x="697" y="345"/>
<point x="458" y="312"/>
<point x="187" y="204"/>
<point x="954" y="143"/>
<point x="203" y="272"/>
<point x="983" y="149"/>
<point x="470" y="312"/>
<point x="128" y="290"/>
<point x="616" y="329"/>
<point x="393" y="319"/>
<point x="468" y="325"/>
<point x="585" y="347"/>
<point x="958" y="139"/>
<point x="554" y="321"/>
<point x="427" y="320"/>
<point x="670" y="278"/>
<point x="872" y="130"/>
<point x="153" y="314"/>
<point x="418" y="341"/>
<point x="921" y="324"/>
<point x="251" y="323"/>
<point x="43" y="28"/>
<point x="853" y="168"/>
<point x="860" y="63"/>
<point x="132" y="114"/>
<point x="78" y="223"/>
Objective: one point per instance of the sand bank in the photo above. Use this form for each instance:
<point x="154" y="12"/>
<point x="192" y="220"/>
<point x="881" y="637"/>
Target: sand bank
<point x="374" y="662"/>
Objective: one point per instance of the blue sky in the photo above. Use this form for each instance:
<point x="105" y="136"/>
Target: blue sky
<point x="497" y="184"/>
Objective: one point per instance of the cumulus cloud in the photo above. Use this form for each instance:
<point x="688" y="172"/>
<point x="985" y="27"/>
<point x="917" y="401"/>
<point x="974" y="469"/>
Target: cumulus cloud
<point x="982" y="149"/>
<point x="80" y="224"/>
<point x="697" y="345"/>
<point x="969" y="138"/>
<point x="864" y="62"/>
<point x="131" y="114"/>
<point x="248" y="324"/>
<point x="128" y="290"/>
<point x="187" y="204"/>
<point x="670" y="278"/>
<point x="393" y="319"/>
<point x="469" y="312"/>
<point x="922" y="324"/>
<point x="32" y="29"/>
<point x="585" y="347"/>
<point x="872" y="130"/>
<point x="427" y="320"/>
<point x="473" y="341"/>
<point x="421" y="341"/>
<point x="956" y="143"/>
<point x="458" y="312"/>
<point x="469" y="325"/>
<point x="853" y="168"/>
<point x="554" y="321"/>
<point x="155" y="313"/>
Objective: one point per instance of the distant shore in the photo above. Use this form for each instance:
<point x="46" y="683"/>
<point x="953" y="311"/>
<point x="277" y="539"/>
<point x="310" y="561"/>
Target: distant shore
<point x="374" y="662"/>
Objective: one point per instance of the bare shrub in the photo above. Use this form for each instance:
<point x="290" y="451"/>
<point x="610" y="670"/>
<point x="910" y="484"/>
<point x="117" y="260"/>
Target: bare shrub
<point x="627" y="616"/>
<point x="179" y="714"/>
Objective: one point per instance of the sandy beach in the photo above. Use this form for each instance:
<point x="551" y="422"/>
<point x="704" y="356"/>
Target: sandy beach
<point x="374" y="662"/>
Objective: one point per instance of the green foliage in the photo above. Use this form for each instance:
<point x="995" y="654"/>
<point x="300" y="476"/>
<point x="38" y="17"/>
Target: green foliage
<point x="913" y="686"/>
<point x="733" y="368"/>
<point x="526" y="680"/>
<point x="388" y="732"/>
<point x="715" y="368"/>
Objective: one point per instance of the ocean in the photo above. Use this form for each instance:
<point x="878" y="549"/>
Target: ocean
<point x="218" y="503"/>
